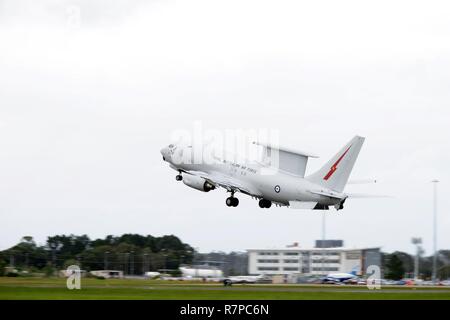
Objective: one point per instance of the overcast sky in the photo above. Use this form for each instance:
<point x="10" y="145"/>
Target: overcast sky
<point x="91" y="90"/>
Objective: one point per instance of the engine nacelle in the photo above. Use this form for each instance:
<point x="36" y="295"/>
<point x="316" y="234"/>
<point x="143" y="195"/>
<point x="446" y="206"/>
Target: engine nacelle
<point x="197" y="183"/>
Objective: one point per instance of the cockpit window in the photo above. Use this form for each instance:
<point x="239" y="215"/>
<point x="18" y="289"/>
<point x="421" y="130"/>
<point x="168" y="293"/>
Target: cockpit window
<point x="171" y="146"/>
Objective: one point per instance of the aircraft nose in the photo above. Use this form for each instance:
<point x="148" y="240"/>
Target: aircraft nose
<point x="164" y="153"/>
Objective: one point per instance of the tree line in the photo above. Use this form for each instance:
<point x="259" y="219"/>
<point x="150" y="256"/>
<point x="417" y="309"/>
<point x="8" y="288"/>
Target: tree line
<point x="398" y="265"/>
<point x="131" y="253"/>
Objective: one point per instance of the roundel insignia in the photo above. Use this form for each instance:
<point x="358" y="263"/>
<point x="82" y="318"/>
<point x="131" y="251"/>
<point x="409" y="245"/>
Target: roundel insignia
<point x="277" y="189"/>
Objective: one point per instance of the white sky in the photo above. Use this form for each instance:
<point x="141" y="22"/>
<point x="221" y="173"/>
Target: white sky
<point x="87" y="101"/>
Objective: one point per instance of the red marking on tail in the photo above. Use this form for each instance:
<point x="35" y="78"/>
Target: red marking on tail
<point x="334" y="166"/>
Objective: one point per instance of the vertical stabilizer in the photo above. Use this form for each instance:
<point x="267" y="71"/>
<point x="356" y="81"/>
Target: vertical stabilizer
<point x="335" y="173"/>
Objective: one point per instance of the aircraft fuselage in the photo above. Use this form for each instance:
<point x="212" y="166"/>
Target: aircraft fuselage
<point x="273" y="185"/>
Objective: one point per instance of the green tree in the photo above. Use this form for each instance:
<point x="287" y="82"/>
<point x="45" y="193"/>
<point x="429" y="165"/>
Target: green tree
<point x="2" y="267"/>
<point x="49" y="271"/>
<point x="395" y="268"/>
<point x="70" y="262"/>
<point x="443" y="272"/>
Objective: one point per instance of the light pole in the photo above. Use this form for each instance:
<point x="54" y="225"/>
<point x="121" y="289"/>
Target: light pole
<point x="132" y="263"/>
<point x="417" y="242"/>
<point x="323" y="241"/>
<point x="435" y="182"/>
<point x="127" y="256"/>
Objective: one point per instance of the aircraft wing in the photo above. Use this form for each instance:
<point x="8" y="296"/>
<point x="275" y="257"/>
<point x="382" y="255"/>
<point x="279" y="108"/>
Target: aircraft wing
<point x="220" y="180"/>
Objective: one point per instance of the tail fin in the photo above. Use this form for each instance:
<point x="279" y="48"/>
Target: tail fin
<point x="355" y="270"/>
<point x="334" y="174"/>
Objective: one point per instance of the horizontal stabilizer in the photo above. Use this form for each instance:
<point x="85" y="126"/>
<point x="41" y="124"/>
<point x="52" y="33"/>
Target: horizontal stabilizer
<point x="362" y="181"/>
<point x="364" y="195"/>
<point x="330" y="194"/>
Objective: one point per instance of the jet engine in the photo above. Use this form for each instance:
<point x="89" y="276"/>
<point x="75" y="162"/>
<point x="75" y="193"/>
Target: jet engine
<point x="197" y="183"/>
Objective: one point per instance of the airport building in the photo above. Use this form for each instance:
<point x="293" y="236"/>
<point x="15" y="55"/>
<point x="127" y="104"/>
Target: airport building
<point x="329" y="256"/>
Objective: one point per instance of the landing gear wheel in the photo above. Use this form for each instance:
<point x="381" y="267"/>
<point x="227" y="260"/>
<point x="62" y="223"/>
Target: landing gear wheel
<point x="263" y="203"/>
<point x="232" y="202"/>
<point x="179" y="177"/>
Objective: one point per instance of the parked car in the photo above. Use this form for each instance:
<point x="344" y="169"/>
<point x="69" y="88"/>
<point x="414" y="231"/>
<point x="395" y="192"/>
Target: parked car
<point x="388" y="282"/>
<point x="445" y="283"/>
<point x="362" y="282"/>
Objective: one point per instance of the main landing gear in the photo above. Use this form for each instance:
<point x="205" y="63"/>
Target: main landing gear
<point x="263" y="203"/>
<point x="232" y="201"/>
<point x="179" y="177"/>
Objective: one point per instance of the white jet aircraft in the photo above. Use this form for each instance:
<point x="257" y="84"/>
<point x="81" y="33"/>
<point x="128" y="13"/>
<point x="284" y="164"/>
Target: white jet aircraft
<point x="339" y="277"/>
<point x="244" y="279"/>
<point x="288" y="186"/>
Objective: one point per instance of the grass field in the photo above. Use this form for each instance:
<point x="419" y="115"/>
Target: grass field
<point x="46" y="288"/>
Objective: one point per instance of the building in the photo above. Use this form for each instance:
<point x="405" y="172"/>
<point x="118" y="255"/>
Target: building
<point x="326" y="257"/>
